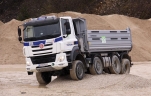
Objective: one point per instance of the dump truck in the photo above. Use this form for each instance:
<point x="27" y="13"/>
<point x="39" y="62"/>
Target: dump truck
<point x="56" y="46"/>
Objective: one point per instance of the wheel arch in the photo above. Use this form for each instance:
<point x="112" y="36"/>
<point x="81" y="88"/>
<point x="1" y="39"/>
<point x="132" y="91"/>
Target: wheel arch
<point x="75" y="51"/>
<point x="76" y="55"/>
<point x="125" y="55"/>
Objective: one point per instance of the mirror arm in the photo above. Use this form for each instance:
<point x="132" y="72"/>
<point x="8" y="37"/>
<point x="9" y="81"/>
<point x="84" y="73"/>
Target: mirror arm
<point x="21" y="42"/>
<point x="66" y="36"/>
<point x="20" y="25"/>
<point x="19" y="31"/>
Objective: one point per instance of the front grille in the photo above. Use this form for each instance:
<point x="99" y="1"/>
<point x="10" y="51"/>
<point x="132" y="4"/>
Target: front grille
<point x="48" y="48"/>
<point x="42" y="49"/>
<point x="38" y="46"/>
<point x="43" y="59"/>
<point x="42" y="53"/>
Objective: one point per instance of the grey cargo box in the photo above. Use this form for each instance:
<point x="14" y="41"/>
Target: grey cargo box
<point x="102" y="40"/>
<point x="109" y="40"/>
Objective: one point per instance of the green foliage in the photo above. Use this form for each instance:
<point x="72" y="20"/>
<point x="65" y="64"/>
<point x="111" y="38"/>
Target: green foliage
<point x="73" y="5"/>
<point x="23" y="14"/>
<point x="23" y="9"/>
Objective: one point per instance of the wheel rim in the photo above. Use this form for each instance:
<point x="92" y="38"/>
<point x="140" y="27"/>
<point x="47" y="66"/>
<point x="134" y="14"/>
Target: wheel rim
<point x="98" y="66"/>
<point x="115" y="64"/>
<point x="79" y="70"/>
<point x="125" y="68"/>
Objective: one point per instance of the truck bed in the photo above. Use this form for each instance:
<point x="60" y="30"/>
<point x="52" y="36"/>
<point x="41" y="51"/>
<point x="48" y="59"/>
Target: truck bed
<point x="109" y="40"/>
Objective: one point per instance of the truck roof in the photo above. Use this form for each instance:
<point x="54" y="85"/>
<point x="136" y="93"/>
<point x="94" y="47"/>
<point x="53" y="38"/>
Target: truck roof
<point x="42" y="21"/>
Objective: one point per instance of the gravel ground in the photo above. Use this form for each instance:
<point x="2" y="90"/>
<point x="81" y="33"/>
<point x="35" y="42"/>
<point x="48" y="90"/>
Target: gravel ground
<point x="14" y="81"/>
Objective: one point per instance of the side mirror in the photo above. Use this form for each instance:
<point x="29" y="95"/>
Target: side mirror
<point x="19" y="32"/>
<point x="20" y="39"/>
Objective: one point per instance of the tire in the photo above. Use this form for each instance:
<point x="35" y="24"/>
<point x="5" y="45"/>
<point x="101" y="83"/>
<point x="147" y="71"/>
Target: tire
<point x="96" y="67"/>
<point x="125" y="66"/>
<point x="115" y="66"/>
<point x="43" y="77"/>
<point x="77" y="71"/>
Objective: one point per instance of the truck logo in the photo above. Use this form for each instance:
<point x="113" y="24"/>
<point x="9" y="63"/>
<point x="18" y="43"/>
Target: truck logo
<point x="103" y="38"/>
<point x="41" y="45"/>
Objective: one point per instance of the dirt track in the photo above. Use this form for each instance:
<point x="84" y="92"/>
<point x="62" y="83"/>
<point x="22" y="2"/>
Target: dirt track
<point x="15" y="82"/>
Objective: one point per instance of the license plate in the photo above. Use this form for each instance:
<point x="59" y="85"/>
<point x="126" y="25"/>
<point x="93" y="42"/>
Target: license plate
<point x="42" y="65"/>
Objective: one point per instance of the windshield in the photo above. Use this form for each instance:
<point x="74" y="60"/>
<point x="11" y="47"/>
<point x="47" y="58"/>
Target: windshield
<point x="32" y="33"/>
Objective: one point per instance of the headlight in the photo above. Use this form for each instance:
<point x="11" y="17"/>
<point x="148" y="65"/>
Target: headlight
<point x="61" y="58"/>
<point x="27" y="63"/>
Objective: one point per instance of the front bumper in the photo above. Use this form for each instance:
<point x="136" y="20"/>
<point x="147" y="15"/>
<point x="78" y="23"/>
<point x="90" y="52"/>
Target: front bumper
<point x="49" y="66"/>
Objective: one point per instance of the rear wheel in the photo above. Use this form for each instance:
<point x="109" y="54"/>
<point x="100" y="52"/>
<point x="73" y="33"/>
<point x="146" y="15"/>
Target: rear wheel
<point x="115" y="66"/>
<point x="96" y="67"/>
<point x="77" y="71"/>
<point x="43" y="77"/>
<point x="125" y="66"/>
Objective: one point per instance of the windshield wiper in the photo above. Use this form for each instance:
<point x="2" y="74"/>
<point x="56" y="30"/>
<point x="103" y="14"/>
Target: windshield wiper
<point x="31" y="39"/>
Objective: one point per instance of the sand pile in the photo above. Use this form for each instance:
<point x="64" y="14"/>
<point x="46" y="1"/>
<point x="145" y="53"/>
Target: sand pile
<point x="1" y="23"/>
<point x="11" y="49"/>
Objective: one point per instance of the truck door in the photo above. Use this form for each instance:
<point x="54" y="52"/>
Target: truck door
<point x="67" y="34"/>
<point x="80" y="32"/>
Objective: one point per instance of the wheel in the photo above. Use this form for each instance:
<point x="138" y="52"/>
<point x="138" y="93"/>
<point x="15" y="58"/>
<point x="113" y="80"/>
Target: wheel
<point x="96" y="67"/>
<point x="115" y="66"/>
<point x="77" y="71"/>
<point x="43" y="77"/>
<point x="125" y="66"/>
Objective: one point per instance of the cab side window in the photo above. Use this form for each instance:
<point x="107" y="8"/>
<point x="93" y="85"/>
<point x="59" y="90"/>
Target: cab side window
<point x="63" y="23"/>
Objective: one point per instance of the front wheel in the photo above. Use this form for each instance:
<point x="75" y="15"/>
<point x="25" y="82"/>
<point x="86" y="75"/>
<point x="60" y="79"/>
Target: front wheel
<point x="77" y="71"/>
<point x="43" y="77"/>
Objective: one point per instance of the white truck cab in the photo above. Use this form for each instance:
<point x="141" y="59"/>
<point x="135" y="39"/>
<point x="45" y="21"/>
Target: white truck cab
<point x="48" y="51"/>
